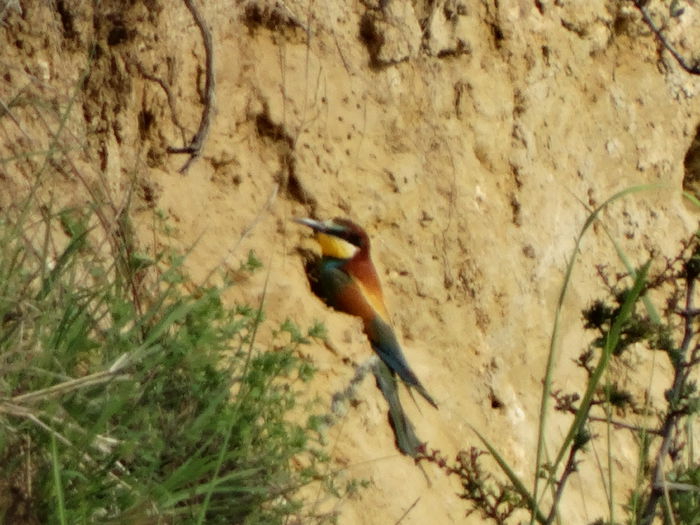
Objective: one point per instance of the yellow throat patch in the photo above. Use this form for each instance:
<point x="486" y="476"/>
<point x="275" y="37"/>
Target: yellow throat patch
<point x="332" y="246"/>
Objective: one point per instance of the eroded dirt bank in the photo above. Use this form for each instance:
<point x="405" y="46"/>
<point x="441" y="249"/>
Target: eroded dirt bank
<point x="469" y="139"/>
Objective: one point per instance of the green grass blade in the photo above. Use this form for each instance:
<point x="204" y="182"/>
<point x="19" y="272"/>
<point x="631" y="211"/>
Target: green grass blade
<point x="514" y="479"/>
<point x="611" y="341"/>
<point x="648" y="305"/>
<point x="554" y="339"/>
<point x="692" y="198"/>
<point x="57" y="485"/>
<point x="173" y="316"/>
<point x="75" y="244"/>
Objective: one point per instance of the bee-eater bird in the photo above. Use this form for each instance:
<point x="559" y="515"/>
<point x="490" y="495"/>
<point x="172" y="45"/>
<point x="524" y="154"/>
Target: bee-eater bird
<point x="347" y="281"/>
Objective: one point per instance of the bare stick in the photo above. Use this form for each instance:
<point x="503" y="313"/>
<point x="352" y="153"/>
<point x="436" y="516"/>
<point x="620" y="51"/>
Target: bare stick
<point x="693" y="69"/>
<point x="67" y="386"/>
<point x="168" y="93"/>
<point x="569" y="469"/>
<point x="195" y="147"/>
<point x="621" y="424"/>
<point x="6" y="109"/>
<point x="409" y="509"/>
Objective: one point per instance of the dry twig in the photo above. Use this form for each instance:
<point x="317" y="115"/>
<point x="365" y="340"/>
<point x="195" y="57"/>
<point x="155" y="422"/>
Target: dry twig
<point x="166" y="89"/>
<point x="694" y="68"/>
<point x="194" y="149"/>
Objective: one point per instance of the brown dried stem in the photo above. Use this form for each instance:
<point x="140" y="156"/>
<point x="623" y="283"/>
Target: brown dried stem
<point x="694" y="68"/>
<point x="673" y="416"/>
<point x="568" y="470"/>
<point x="194" y="149"/>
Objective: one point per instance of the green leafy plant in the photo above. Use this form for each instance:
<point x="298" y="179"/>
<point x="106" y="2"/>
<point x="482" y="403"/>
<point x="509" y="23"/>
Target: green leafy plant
<point x="125" y="398"/>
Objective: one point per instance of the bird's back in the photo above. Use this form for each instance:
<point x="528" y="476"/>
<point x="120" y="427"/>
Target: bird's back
<point x="362" y="296"/>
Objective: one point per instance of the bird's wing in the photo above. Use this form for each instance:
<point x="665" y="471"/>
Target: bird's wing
<point x="374" y="297"/>
<point x="347" y="294"/>
<point x="344" y="293"/>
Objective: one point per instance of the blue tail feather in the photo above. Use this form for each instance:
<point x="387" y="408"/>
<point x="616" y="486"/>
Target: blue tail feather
<point x="387" y="347"/>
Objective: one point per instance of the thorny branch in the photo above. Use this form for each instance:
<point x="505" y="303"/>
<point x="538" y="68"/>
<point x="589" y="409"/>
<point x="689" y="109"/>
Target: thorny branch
<point x="569" y="469"/>
<point x="495" y="500"/>
<point x="194" y="149"/>
<point x="694" y="68"/>
<point x="683" y="354"/>
<point x="566" y="403"/>
<point x="627" y="426"/>
<point x="674" y="395"/>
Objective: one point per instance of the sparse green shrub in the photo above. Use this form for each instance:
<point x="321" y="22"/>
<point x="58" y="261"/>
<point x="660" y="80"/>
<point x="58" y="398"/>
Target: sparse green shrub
<point x="126" y="399"/>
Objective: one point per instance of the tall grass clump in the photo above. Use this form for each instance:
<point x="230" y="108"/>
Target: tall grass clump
<point x="127" y="395"/>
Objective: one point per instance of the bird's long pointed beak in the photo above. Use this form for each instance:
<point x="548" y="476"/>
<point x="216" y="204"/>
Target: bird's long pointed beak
<point x="315" y="225"/>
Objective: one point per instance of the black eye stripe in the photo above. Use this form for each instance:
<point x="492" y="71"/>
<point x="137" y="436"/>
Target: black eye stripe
<point x="350" y="236"/>
<point x="348" y="231"/>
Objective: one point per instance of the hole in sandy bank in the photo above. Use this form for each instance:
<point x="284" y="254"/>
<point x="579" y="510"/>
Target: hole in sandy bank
<point x="691" y="164"/>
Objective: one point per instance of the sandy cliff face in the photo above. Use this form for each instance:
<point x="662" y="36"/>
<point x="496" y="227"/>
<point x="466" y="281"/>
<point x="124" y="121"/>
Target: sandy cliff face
<point x="469" y="139"/>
